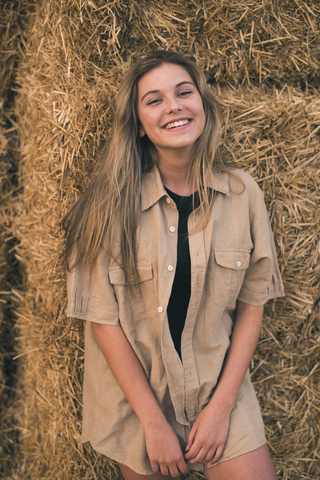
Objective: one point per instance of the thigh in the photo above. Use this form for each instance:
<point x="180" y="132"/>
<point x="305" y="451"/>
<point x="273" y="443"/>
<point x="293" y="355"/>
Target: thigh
<point x="250" y="466"/>
<point x="129" y="474"/>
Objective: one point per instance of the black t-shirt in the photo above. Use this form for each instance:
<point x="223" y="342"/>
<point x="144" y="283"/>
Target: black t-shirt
<point x="181" y="289"/>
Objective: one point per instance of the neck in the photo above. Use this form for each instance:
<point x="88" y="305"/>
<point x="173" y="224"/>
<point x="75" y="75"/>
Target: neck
<point x="174" y="174"/>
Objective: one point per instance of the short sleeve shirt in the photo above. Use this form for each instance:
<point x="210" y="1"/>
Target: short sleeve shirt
<point x="232" y="258"/>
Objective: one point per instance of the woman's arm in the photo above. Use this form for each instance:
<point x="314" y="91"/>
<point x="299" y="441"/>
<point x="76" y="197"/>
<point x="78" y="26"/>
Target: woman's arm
<point x="208" y="435"/>
<point x="163" y="446"/>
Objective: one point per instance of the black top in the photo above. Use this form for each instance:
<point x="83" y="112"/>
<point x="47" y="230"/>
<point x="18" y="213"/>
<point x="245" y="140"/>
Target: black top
<point x="181" y="289"/>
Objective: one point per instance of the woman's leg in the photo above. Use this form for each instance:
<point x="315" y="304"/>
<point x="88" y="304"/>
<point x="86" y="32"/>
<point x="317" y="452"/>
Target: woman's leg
<point x="256" y="465"/>
<point x="129" y="474"/>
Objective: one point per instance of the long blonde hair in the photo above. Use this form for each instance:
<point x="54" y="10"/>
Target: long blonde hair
<point x="112" y="200"/>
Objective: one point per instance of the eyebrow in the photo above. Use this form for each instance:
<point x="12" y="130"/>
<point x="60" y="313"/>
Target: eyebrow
<point x="158" y="91"/>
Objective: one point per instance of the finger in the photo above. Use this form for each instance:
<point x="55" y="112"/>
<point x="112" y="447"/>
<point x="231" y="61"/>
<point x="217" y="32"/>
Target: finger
<point x="164" y="469"/>
<point x="202" y="455"/>
<point x="194" y="448"/>
<point x="193" y="451"/>
<point x="217" y="455"/>
<point x="183" y="467"/>
<point x="196" y="457"/>
<point x="191" y="437"/>
<point x="209" y="457"/>
<point x="155" y="467"/>
<point x="173" y="470"/>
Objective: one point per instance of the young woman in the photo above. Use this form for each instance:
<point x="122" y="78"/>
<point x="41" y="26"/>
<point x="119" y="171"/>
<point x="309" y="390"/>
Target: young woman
<point x="171" y="259"/>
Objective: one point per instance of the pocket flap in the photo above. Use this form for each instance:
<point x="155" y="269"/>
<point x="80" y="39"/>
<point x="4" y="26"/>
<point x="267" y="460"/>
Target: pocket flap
<point x="235" y="259"/>
<point x="117" y="276"/>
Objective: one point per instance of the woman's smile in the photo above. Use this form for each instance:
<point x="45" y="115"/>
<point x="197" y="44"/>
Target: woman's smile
<point x="177" y="123"/>
<point x="170" y="109"/>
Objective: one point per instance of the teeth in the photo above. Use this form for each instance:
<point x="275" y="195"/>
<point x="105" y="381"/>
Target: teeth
<point x="177" y="124"/>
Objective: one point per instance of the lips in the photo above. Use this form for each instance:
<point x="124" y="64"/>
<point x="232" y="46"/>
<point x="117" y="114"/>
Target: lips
<point x="177" y="123"/>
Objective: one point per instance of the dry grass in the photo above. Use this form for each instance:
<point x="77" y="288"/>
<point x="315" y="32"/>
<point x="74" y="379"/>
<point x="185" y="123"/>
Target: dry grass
<point x="12" y="21"/>
<point x="263" y="61"/>
<point x="274" y="135"/>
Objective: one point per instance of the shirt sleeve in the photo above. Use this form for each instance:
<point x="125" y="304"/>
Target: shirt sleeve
<point x="91" y="296"/>
<point x="262" y="280"/>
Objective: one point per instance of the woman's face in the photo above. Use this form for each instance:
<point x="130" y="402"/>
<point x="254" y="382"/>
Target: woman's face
<point x="170" y="109"/>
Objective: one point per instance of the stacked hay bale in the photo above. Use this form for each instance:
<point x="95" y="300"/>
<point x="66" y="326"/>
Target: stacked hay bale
<point x="262" y="59"/>
<point x="275" y="136"/>
<point x="12" y="23"/>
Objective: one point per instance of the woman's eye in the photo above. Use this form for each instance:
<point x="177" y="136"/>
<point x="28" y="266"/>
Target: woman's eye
<point x="185" y="93"/>
<point x="151" y="102"/>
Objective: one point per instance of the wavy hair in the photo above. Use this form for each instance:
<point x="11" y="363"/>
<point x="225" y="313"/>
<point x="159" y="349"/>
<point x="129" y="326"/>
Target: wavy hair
<point x="112" y="202"/>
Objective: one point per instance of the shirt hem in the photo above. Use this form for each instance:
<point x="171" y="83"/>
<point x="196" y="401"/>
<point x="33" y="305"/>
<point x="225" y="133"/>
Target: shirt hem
<point x="92" y="318"/>
<point x="115" y="457"/>
<point x="252" y="299"/>
<point x="231" y="457"/>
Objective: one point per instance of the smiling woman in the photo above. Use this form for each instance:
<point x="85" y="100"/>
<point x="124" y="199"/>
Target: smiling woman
<point x="172" y="117"/>
<point x="170" y="260"/>
<point x="175" y="104"/>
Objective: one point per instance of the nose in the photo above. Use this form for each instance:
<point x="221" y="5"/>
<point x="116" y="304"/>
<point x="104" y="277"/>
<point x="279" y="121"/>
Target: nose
<point x="173" y="105"/>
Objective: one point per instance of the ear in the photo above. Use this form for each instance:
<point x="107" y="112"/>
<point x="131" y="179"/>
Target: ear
<point x="141" y="132"/>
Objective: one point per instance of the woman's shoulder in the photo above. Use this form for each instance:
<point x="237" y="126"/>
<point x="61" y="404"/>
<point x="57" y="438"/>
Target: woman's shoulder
<point x="245" y="176"/>
<point x="241" y="181"/>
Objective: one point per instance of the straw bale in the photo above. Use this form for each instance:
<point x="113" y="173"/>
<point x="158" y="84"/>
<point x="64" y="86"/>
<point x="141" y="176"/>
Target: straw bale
<point x="74" y="57"/>
<point x="235" y="41"/>
<point x="12" y="22"/>
<point x="275" y="136"/>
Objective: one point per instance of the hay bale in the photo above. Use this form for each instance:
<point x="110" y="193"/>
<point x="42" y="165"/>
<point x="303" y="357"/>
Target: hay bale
<point x="11" y="35"/>
<point x="75" y="55"/>
<point x="275" y="136"/>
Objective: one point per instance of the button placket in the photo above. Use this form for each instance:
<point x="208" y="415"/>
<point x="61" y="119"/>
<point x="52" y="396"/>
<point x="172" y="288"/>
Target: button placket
<point x="198" y="263"/>
<point x="168" y="268"/>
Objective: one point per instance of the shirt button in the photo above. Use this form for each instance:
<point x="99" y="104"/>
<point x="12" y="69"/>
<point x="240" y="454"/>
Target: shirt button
<point x="238" y="264"/>
<point x="167" y="199"/>
<point x="160" y="309"/>
<point x="170" y="268"/>
<point x="172" y="229"/>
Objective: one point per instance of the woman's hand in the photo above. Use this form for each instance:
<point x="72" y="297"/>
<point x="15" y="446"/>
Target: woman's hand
<point x="162" y="443"/>
<point x="208" y="434"/>
<point x="164" y="450"/>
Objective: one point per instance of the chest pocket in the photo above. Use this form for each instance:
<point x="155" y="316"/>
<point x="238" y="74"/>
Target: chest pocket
<point x="132" y="304"/>
<point x="230" y="269"/>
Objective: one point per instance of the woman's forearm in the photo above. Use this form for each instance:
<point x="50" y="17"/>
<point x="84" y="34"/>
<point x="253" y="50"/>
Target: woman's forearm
<point x="162" y="443"/>
<point x="244" y="339"/>
<point x="128" y="372"/>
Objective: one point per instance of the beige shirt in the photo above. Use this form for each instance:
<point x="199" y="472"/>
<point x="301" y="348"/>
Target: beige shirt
<point x="232" y="258"/>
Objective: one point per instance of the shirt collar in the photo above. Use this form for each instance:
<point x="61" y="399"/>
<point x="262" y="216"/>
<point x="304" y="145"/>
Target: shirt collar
<point x="152" y="188"/>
